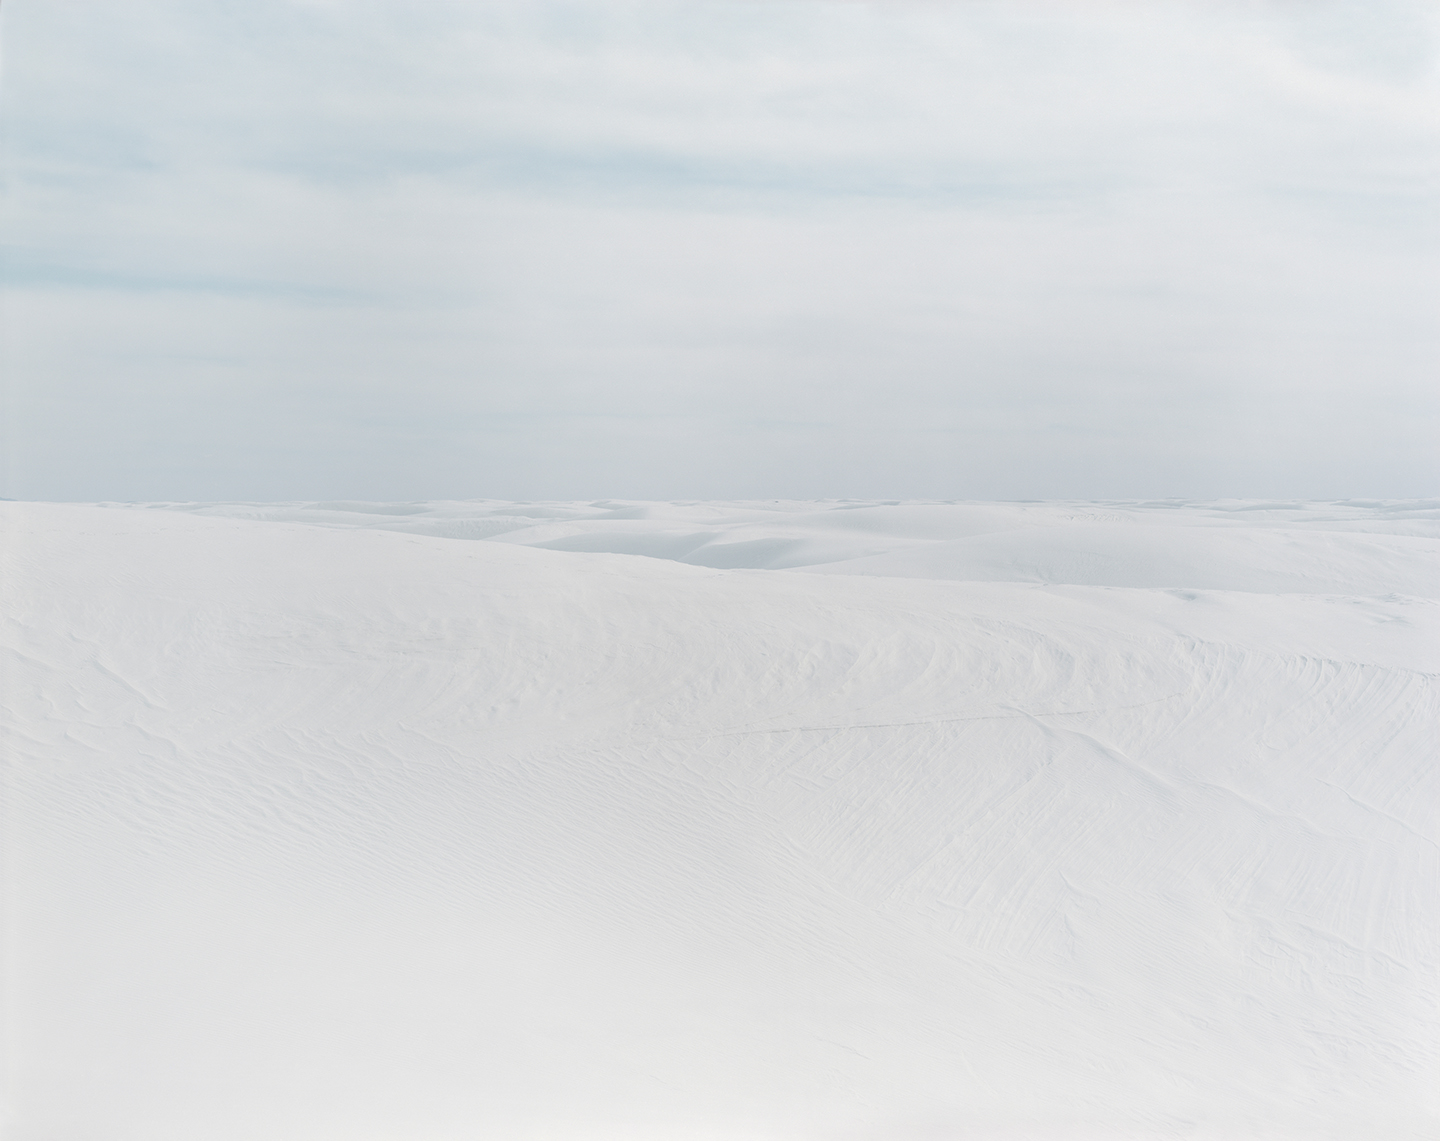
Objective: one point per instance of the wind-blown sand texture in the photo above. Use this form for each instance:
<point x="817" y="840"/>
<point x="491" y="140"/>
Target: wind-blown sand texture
<point x="810" y="821"/>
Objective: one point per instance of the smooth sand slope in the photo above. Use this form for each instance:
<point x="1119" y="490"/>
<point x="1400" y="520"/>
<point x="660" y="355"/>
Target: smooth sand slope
<point x="823" y="822"/>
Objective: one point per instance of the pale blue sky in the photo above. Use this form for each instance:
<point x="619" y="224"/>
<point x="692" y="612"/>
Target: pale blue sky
<point x="377" y="249"/>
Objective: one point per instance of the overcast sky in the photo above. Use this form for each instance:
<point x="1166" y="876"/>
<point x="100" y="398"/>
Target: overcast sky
<point x="381" y="249"/>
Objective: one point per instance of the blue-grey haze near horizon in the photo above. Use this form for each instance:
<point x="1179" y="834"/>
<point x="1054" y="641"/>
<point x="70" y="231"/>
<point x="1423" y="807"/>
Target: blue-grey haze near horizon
<point x="549" y="249"/>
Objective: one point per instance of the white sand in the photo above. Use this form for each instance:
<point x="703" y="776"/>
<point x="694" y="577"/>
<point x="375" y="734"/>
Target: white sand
<point x="876" y="822"/>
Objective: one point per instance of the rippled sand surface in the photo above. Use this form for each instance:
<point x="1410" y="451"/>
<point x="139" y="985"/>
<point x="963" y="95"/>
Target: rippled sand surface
<point x="614" y="820"/>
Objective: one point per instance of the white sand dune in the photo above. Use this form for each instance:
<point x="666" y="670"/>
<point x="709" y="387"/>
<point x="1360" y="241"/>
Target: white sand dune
<point x="823" y="821"/>
<point x="1270" y="548"/>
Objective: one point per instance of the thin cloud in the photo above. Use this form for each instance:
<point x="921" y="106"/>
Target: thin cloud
<point x="1000" y="249"/>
